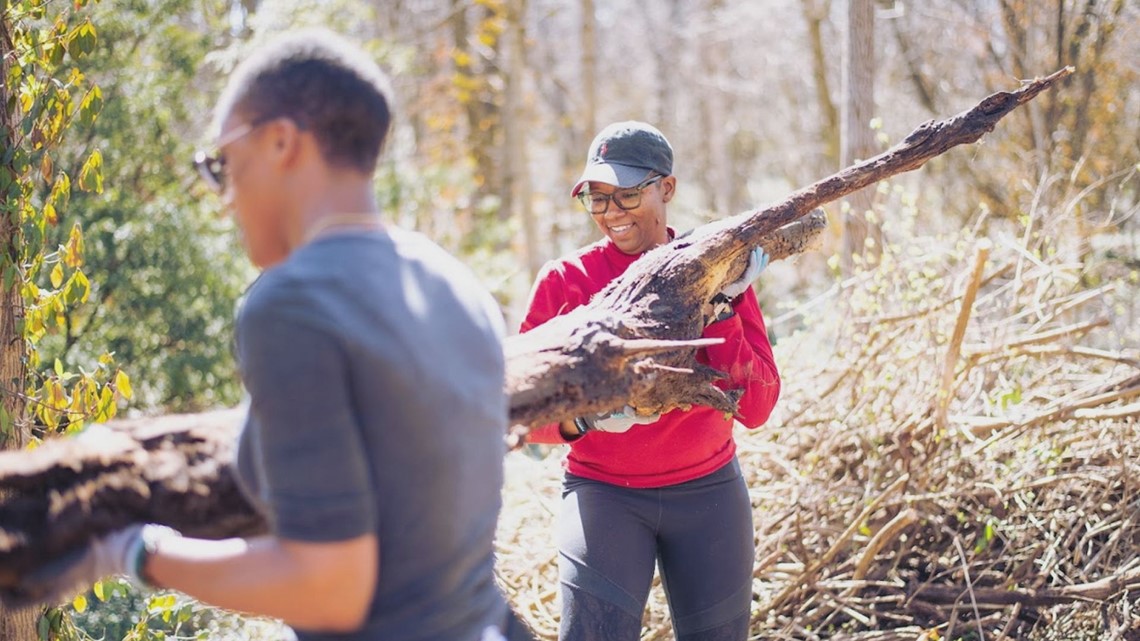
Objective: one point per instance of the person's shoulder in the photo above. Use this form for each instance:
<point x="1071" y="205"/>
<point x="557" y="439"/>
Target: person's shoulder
<point x="271" y="287"/>
<point x="438" y="266"/>
<point x="583" y="261"/>
<point x="274" y="296"/>
<point x="413" y="245"/>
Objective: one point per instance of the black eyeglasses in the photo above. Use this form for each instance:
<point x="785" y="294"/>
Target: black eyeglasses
<point x="626" y="199"/>
<point x="212" y="167"/>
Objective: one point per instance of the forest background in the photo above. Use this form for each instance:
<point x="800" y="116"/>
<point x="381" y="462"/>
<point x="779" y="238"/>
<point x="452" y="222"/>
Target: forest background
<point x="129" y="305"/>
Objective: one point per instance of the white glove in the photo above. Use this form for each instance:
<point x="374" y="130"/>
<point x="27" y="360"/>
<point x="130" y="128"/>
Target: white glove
<point x="618" y="422"/>
<point x="118" y="552"/>
<point x="757" y="261"/>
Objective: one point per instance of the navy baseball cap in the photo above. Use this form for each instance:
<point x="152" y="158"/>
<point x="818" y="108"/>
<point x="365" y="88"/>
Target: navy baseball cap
<point x="624" y="153"/>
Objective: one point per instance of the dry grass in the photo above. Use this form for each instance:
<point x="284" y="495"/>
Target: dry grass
<point x="954" y="456"/>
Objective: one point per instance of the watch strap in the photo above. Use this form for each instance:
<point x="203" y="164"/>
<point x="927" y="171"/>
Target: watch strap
<point x="583" y="424"/>
<point x="721" y="309"/>
<point x="145" y="546"/>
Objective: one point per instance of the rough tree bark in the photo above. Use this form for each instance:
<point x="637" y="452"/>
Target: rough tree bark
<point x="635" y="342"/>
<point x="15" y="625"/>
<point x="857" y="139"/>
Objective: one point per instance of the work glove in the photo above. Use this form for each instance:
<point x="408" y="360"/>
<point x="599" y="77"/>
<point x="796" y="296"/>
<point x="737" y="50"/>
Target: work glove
<point x="757" y="261"/>
<point x="117" y="553"/>
<point x="720" y="307"/>
<point x="621" y="421"/>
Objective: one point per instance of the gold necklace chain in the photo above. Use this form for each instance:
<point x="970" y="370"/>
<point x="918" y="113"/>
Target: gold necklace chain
<point x="337" y="221"/>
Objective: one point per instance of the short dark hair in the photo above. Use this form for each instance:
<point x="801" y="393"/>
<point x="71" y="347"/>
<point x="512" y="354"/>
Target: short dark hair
<point x="324" y="84"/>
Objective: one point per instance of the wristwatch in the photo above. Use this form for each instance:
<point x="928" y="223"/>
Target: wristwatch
<point x="583" y="424"/>
<point x="722" y="309"/>
<point x="146" y="545"/>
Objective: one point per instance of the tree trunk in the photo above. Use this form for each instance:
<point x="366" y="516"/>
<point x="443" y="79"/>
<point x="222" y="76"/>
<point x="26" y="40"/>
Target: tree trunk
<point x="515" y="126"/>
<point x="857" y="139"/>
<point x="635" y="343"/>
<point x="482" y="114"/>
<point x="815" y="12"/>
<point x="15" y="625"/>
<point x="589" y="78"/>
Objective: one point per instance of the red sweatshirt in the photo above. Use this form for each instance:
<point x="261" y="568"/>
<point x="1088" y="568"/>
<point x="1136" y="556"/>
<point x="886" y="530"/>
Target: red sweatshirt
<point x="682" y="445"/>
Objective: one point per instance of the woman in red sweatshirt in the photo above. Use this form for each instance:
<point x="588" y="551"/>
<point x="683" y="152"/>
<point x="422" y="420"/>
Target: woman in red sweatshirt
<point x="662" y="490"/>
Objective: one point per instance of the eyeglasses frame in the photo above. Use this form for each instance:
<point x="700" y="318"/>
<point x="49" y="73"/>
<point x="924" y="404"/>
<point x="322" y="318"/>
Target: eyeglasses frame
<point x="586" y="196"/>
<point x="211" y="167"/>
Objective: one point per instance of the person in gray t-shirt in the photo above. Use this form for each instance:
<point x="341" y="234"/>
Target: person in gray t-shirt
<point x="374" y="365"/>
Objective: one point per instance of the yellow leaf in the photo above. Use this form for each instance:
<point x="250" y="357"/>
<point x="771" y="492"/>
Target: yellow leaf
<point x="57" y="399"/>
<point x="50" y="215"/>
<point x="91" y="174"/>
<point x="106" y="407"/>
<point x="84" y="285"/>
<point x="98" y="589"/>
<point x="57" y="275"/>
<point x="61" y="189"/>
<point x="123" y="384"/>
<point x="73" y="254"/>
<point x="80" y="603"/>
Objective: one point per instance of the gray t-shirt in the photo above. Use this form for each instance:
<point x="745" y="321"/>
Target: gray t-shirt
<point x="374" y="366"/>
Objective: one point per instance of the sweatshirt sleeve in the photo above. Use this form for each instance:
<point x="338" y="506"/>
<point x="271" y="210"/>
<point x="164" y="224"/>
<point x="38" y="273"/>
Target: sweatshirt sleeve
<point x="547" y="300"/>
<point x="746" y="356"/>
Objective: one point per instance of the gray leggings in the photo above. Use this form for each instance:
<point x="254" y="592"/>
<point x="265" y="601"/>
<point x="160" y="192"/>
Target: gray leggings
<point x="700" y="536"/>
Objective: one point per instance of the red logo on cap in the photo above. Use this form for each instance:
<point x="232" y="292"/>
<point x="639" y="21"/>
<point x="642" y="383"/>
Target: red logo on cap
<point x="602" y="149"/>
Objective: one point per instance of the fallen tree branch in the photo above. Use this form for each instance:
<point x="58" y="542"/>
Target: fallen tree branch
<point x="173" y="470"/>
<point x="1098" y="590"/>
<point x="954" y="351"/>
<point x="882" y="538"/>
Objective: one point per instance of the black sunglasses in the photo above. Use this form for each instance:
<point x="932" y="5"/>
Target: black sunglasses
<point x="212" y="167"/>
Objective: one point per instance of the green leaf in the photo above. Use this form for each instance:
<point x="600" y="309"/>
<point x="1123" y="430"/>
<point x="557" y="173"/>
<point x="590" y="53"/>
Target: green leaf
<point x="78" y="288"/>
<point x="10" y="273"/>
<point x="5" y="422"/>
<point x="83" y="39"/>
<point x="55" y="54"/>
<point x="106" y="409"/>
<point x="58" y="368"/>
<point x="43" y="628"/>
<point x="91" y="105"/>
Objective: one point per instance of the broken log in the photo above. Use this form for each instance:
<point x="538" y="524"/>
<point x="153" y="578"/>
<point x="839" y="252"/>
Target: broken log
<point x="577" y="364"/>
<point x="635" y="343"/>
<point x="173" y="470"/>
